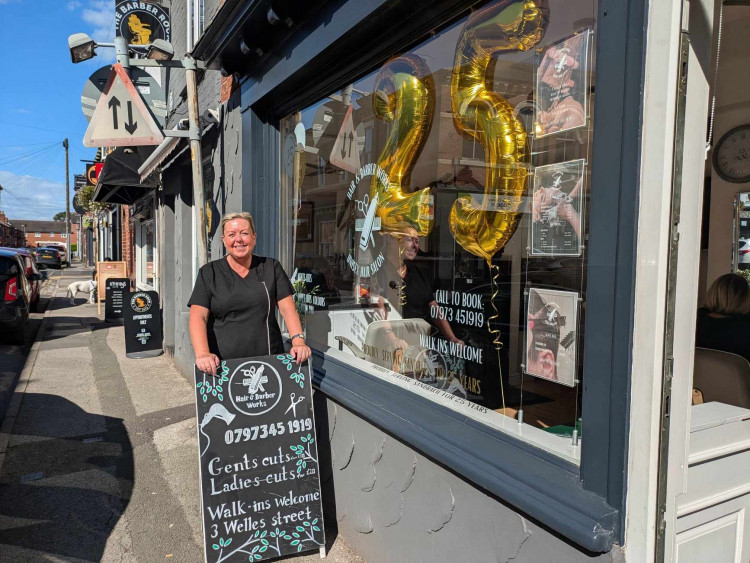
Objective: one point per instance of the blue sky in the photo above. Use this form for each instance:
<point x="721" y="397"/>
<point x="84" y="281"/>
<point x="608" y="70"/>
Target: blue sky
<point x="40" y="103"/>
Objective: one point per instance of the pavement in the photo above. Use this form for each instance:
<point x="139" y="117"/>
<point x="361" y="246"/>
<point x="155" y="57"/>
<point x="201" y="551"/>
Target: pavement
<point x="98" y="452"/>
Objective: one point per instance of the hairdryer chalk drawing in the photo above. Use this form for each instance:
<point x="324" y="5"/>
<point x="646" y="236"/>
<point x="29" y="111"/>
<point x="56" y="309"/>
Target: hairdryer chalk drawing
<point x="217" y="410"/>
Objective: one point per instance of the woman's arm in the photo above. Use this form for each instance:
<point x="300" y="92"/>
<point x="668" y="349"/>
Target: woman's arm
<point x="204" y="359"/>
<point x="300" y="351"/>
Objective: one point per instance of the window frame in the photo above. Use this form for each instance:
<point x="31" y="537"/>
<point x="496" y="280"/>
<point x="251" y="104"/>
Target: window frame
<point x="584" y="503"/>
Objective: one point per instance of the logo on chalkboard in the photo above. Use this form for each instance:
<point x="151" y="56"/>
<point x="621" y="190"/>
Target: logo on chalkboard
<point x="255" y="388"/>
<point x="140" y="302"/>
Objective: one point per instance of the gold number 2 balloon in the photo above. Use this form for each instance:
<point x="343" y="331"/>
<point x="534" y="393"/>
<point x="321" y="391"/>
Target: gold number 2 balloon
<point x="484" y="225"/>
<point x="405" y="96"/>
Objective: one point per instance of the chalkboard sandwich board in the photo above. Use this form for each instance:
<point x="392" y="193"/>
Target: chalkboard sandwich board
<point x="143" y="335"/>
<point x="115" y="289"/>
<point x="260" y="480"/>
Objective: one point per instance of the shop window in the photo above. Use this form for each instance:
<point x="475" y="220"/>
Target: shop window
<point x="447" y="200"/>
<point x="195" y="22"/>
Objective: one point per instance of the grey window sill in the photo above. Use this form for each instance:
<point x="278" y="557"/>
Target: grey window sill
<point x="543" y="486"/>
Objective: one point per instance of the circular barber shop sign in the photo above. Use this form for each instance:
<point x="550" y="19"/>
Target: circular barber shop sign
<point x="142" y="22"/>
<point x="140" y="302"/>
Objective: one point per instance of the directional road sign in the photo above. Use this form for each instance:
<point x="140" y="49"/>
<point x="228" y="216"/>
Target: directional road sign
<point x="148" y="87"/>
<point x="121" y="118"/>
<point x="345" y="151"/>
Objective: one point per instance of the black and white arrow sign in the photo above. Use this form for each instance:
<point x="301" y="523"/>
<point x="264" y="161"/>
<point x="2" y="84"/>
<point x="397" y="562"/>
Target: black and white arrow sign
<point x="121" y="117"/>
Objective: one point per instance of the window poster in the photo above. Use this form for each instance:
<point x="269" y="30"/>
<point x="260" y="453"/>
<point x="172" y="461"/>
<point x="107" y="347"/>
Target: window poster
<point x="551" y="331"/>
<point x="557" y="209"/>
<point x="562" y="85"/>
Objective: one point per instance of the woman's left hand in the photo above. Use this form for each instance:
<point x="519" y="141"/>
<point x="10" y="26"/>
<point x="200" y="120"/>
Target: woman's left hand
<point x="300" y="353"/>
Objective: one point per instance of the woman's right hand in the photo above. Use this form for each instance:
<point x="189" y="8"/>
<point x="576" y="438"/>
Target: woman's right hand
<point x="207" y="363"/>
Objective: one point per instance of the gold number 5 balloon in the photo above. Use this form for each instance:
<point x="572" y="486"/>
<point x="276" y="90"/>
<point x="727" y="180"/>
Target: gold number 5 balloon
<point x="484" y="226"/>
<point x="405" y="96"/>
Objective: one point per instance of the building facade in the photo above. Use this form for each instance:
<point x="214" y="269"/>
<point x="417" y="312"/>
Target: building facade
<point x="495" y="211"/>
<point x="39" y="233"/>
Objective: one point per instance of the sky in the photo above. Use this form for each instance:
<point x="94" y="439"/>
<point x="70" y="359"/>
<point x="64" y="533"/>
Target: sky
<point x="40" y="99"/>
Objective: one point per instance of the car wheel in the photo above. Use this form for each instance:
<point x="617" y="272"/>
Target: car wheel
<point x="35" y="305"/>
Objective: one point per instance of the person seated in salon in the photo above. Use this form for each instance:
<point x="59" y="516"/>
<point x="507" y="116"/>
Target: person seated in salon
<point x="724" y="323"/>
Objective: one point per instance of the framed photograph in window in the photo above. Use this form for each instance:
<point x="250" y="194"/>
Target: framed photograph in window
<point x="562" y="85"/>
<point x="551" y="335"/>
<point x="557" y="209"/>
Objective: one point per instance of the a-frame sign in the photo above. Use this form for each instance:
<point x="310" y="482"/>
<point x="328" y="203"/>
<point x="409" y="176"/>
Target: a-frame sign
<point x="121" y="118"/>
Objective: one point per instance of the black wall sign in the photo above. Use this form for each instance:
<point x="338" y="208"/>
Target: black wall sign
<point x="142" y="324"/>
<point x="114" y="292"/>
<point x="141" y="22"/>
<point x="258" y="460"/>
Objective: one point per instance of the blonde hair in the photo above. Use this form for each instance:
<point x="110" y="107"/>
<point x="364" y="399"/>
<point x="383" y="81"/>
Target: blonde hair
<point x="729" y="295"/>
<point x="244" y="215"/>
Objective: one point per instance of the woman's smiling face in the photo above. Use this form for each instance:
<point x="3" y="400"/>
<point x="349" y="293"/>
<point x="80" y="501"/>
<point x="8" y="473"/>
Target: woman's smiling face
<point x="238" y="238"/>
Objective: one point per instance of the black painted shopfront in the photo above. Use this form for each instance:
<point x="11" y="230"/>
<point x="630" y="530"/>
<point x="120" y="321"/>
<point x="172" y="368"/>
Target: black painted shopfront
<point x="446" y="181"/>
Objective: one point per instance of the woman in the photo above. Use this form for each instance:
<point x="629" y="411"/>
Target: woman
<point x="416" y="295"/>
<point x="724" y="323"/>
<point x="233" y="305"/>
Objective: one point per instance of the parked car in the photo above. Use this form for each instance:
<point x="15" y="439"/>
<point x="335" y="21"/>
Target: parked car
<point x="61" y="248"/>
<point x="743" y="251"/>
<point x="49" y="257"/>
<point x="33" y="275"/>
<point x="15" y="296"/>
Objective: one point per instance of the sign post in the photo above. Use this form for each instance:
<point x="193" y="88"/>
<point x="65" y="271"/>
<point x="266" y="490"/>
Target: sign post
<point x="104" y="271"/>
<point x="260" y="479"/>
<point x="143" y="335"/>
<point x="115" y="291"/>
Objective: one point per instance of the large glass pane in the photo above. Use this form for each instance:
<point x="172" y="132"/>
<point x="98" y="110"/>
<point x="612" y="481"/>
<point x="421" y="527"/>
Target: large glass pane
<point x="437" y="217"/>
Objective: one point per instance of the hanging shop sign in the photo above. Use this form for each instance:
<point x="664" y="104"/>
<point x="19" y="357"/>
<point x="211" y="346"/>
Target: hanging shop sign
<point x="259" y="471"/>
<point x="79" y="180"/>
<point x="93" y="171"/>
<point x="143" y="333"/>
<point x="115" y="291"/>
<point x="142" y="22"/>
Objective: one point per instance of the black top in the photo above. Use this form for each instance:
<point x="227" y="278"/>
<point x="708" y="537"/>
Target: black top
<point x="242" y="322"/>
<point x="418" y="293"/>
<point x="728" y="334"/>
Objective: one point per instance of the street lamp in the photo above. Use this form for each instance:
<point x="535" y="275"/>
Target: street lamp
<point x="82" y="47"/>
<point x="160" y="50"/>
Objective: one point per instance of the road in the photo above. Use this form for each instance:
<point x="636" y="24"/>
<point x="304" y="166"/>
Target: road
<point x="98" y="452"/>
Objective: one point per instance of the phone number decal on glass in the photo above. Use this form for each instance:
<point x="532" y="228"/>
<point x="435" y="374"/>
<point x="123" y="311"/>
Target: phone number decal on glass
<point x="461" y="316"/>
<point x="263" y="431"/>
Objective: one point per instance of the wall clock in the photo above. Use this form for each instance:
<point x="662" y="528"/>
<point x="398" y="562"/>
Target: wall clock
<point x="731" y="157"/>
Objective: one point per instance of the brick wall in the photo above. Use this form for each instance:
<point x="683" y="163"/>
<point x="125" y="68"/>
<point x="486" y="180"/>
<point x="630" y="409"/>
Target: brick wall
<point x="58" y="237"/>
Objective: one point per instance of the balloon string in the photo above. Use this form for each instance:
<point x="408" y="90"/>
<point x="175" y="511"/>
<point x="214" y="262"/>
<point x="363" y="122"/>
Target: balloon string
<point x="402" y="283"/>
<point x="495" y="271"/>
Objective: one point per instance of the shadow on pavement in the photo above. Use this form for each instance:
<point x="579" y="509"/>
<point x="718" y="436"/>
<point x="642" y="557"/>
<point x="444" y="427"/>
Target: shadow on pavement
<point x="67" y="479"/>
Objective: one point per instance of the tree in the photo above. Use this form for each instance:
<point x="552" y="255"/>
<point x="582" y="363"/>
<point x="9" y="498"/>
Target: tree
<point x="85" y="199"/>
<point x="59" y="216"/>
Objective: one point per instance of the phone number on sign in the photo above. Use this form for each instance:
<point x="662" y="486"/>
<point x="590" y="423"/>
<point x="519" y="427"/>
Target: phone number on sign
<point x="265" y="430"/>
<point x="461" y="316"/>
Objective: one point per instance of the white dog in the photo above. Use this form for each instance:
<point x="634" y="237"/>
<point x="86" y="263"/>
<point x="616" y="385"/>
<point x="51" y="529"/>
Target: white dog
<point x="83" y="287"/>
